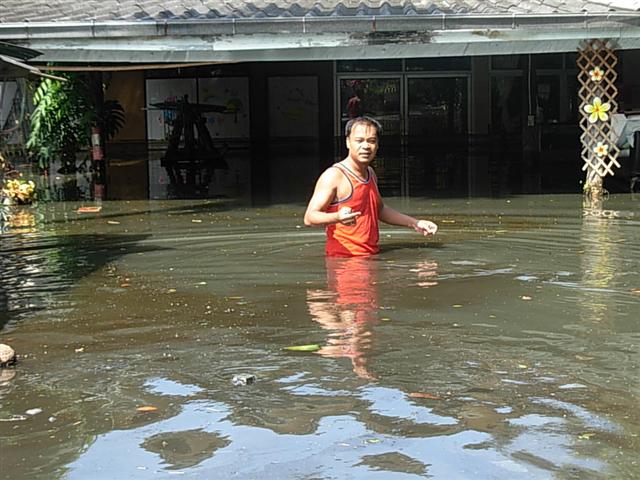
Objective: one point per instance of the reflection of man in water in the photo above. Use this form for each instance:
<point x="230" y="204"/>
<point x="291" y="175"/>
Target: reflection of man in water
<point x="346" y="199"/>
<point x="348" y="309"/>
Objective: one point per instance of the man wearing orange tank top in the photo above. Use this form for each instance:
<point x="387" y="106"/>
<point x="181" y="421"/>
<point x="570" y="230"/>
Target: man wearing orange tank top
<point x="346" y="199"/>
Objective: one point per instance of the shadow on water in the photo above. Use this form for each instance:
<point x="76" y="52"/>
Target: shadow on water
<point x="166" y="207"/>
<point x="39" y="267"/>
<point x="410" y="245"/>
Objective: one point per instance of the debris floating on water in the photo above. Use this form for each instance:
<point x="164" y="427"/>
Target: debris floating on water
<point x="303" y="348"/>
<point x="243" y="379"/>
<point x="147" y="408"/>
<point x="88" y="209"/>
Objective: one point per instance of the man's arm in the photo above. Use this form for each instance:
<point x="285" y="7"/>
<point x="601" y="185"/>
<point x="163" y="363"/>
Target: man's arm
<point x="393" y="217"/>
<point x="323" y="195"/>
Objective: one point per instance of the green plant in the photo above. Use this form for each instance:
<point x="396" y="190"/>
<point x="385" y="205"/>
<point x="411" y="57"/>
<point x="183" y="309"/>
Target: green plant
<point x="63" y="115"/>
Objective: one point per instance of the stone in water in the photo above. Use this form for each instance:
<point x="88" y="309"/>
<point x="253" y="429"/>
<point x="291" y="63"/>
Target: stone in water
<point x="7" y="355"/>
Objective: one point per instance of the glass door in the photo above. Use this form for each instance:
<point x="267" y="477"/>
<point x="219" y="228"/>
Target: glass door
<point x="377" y="97"/>
<point x="381" y="98"/>
<point x="437" y="119"/>
<point x="425" y="120"/>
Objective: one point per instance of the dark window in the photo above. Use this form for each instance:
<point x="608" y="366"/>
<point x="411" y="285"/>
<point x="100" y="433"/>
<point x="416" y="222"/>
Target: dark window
<point x="548" y="61"/>
<point x="508" y="62"/>
<point x="388" y="65"/>
<point x="507" y="104"/>
<point x="438" y="64"/>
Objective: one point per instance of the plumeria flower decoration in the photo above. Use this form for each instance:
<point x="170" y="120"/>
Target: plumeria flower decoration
<point x="597" y="110"/>
<point x="601" y="149"/>
<point x="596" y="74"/>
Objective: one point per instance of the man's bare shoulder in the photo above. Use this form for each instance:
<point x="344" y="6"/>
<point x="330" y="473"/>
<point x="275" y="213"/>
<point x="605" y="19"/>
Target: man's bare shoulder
<point x="331" y="176"/>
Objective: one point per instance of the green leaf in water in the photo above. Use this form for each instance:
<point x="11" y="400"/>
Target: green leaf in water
<point x="303" y="348"/>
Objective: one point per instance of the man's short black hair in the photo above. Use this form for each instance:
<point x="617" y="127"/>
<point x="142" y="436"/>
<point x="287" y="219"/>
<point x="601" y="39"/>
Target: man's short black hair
<point x="365" y="121"/>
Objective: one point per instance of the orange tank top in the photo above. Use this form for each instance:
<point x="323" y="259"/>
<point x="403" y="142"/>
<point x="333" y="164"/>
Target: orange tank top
<point x="362" y="237"/>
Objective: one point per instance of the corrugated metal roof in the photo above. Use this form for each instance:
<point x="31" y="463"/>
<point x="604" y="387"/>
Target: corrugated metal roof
<point x="176" y="31"/>
<point x="19" y="11"/>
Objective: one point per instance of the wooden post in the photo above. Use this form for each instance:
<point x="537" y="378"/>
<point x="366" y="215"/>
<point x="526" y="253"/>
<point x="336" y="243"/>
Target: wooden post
<point x="597" y="75"/>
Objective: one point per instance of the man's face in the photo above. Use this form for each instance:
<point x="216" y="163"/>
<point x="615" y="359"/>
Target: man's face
<point x="363" y="143"/>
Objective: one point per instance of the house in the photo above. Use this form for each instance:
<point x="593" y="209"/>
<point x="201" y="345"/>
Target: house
<point x="476" y="97"/>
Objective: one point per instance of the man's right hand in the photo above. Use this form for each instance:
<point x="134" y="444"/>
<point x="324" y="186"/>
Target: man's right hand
<point x="347" y="217"/>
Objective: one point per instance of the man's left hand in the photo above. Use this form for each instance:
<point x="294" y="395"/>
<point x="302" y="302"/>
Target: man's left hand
<point x="426" y="227"/>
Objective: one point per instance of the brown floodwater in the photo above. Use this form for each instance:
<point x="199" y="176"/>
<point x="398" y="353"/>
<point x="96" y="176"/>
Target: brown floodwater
<point x="506" y="347"/>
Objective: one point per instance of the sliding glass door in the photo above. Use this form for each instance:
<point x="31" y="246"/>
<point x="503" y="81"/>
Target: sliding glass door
<point x="425" y="121"/>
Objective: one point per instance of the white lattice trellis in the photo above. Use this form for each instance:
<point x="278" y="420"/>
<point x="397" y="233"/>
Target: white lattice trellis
<point x="597" y="75"/>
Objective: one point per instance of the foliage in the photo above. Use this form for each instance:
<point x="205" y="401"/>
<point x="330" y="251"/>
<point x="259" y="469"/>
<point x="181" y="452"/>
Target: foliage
<point x="111" y="119"/>
<point x="62" y="119"/>
<point x="19" y="191"/>
<point x="60" y="122"/>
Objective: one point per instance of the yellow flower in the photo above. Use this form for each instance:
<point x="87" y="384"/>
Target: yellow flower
<point x="596" y="74"/>
<point x="19" y="190"/>
<point x="597" y="110"/>
<point x="601" y="149"/>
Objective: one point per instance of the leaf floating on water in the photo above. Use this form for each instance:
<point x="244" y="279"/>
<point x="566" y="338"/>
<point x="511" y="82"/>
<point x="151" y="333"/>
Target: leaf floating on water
<point x="195" y="220"/>
<point x="112" y="222"/>
<point x="172" y="290"/>
<point x="522" y="366"/>
<point x="526" y="297"/>
<point x="584" y="358"/>
<point x="88" y="209"/>
<point x="147" y="408"/>
<point x="424" y="395"/>
<point x="457" y="305"/>
<point x="373" y="440"/>
<point x="303" y="348"/>
<point x="586" y="436"/>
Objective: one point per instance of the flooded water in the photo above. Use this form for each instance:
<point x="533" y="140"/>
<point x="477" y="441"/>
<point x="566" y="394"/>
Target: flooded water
<point x="506" y="347"/>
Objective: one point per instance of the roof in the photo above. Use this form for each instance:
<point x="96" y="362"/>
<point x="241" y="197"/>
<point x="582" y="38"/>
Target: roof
<point x="14" y="51"/>
<point x="182" y="31"/>
<point x="11" y="68"/>
<point x="17" y="11"/>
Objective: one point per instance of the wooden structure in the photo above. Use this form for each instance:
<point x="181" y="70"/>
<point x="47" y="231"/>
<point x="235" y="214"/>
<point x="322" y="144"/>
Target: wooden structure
<point x="597" y="75"/>
<point x="191" y="156"/>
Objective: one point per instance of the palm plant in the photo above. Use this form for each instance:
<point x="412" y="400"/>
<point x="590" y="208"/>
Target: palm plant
<point x="61" y="122"/>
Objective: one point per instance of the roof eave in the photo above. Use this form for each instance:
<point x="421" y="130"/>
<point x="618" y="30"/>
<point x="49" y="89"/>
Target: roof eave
<point x="304" y="25"/>
<point x="312" y="39"/>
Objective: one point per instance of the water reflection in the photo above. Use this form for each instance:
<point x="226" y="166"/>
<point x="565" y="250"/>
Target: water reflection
<point x="184" y="449"/>
<point x="39" y="265"/>
<point x="348" y="310"/>
<point x="21" y="221"/>
<point x="601" y="241"/>
<point x="349" y="307"/>
<point x="426" y="272"/>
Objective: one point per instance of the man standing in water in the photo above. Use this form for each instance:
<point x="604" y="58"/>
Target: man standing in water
<point x="346" y="198"/>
